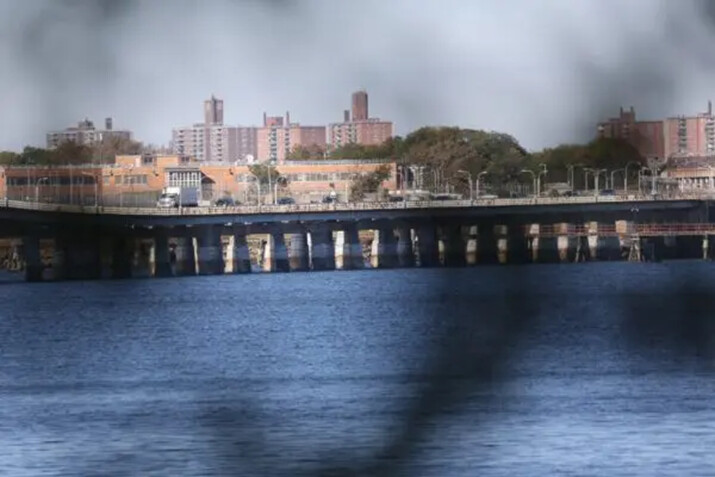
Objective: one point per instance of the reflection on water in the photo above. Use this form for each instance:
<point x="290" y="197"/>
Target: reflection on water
<point x="421" y="372"/>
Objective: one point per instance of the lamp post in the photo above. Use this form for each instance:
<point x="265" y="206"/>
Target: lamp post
<point x="479" y="176"/>
<point x="37" y="188"/>
<point x="613" y="174"/>
<point x="543" y="172"/>
<point x="469" y="178"/>
<point x="533" y="178"/>
<point x="625" y="175"/>
<point x="570" y="174"/>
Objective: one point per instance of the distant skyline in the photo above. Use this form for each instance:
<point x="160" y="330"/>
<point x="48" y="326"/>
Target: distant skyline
<point x="546" y="72"/>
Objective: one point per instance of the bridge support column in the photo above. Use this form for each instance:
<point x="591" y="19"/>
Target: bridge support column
<point x="59" y="259"/>
<point x="405" y="253"/>
<point x="384" y="249"/>
<point x="323" y="249"/>
<point x="83" y="258"/>
<point x="455" y="249"/>
<point x="275" y="254"/>
<point x="142" y="258"/>
<point x="298" y="252"/>
<point x="518" y="250"/>
<point x="32" y="258"/>
<point x="427" y="248"/>
<point x="185" y="256"/>
<point x="241" y="256"/>
<point x="544" y="245"/>
<point x="471" y="246"/>
<point x="352" y="257"/>
<point x="162" y="257"/>
<point x="487" y="246"/>
<point x="210" y="250"/>
<point x="122" y="257"/>
<point x="566" y="241"/>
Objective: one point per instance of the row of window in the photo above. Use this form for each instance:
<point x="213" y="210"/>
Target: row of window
<point x="50" y="181"/>
<point x="306" y="177"/>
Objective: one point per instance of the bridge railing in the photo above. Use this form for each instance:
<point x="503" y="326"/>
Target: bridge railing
<point x="351" y="206"/>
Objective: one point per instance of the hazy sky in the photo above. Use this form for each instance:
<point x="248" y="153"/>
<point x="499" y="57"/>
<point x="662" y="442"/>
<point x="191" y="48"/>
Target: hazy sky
<point x="545" y="71"/>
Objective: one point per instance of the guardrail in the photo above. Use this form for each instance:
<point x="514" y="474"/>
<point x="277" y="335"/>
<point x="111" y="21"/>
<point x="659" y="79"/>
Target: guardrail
<point x="336" y="207"/>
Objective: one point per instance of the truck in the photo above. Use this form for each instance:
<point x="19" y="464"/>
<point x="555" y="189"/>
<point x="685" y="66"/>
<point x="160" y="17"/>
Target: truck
<point x="178" y="197"/>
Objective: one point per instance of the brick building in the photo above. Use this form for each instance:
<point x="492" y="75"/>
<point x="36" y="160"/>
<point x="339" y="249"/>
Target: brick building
<point x="212" y="140"/>
<point x="360" y="128"/>
<point x="138" y="180"/>
<point x="278" y="137"/>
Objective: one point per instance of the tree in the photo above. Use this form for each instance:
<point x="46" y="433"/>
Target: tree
<point x="69" y="152"/>
<point x="105" y="151"/>
<point x="307" y="153"/>
<point x="368" y="182"/>
<point x="266" y="173"/>
<point x="9" y="158"/>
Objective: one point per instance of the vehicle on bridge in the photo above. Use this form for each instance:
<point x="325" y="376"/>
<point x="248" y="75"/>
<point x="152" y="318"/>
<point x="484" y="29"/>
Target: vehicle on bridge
<point x="178" y="197"/>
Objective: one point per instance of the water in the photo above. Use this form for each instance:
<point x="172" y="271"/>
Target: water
<point x="536" y="370"/>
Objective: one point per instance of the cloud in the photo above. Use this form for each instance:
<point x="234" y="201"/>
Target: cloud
<point x="544" y="72"/>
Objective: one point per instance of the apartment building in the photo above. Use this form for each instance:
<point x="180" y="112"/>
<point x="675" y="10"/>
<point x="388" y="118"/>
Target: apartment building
<point x="86" y="133"/>
<point x="212" y="140"/>
<point x="278" y="137"/>
<point x="360" y="128"/>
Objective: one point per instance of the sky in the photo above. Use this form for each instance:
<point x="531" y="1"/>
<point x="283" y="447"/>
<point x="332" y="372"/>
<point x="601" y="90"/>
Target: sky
<point x="545" y="72"/>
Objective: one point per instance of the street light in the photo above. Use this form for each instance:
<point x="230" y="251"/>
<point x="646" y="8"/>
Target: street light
<point x="543" y="172"/>
<point x="469" y="178"/>
<point x="37" y="188"/>
<point x="479" y="176"/>
<point x="258" y="187"/>
<point x="625" y="175"/>
<point x="533" y="177"/>
<point x="613" y="175"/>
<point x="570" y="174"/>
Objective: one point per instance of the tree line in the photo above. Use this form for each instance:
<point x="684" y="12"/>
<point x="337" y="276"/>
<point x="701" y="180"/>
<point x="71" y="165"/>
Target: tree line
<point x="71" y="153"/>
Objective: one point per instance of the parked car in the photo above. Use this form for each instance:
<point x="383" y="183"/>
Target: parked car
<point x="607" y="192"/>
<point x="286" y="201"/>
<point x="328" y="200"/>
<point x="225" y="202"/>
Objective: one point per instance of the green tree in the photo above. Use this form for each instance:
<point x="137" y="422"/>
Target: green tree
<point x="9" y="158"/>
<point x="370" y="182"/>
<point x="105" y="151"/>
<point x="311" y="152"/>
<point x="266" y="173"/>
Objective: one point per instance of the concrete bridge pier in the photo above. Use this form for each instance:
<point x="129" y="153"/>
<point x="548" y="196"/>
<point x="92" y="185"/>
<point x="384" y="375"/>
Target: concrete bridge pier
<point x="349" y="256"/>
<point x="384" y="249"/>
<point x="83" y="258"/>
<point x="162" y="257"/>
<point x="122" y="257"/>
<point x="142" y="260"/>
<point x="32" y="258"/>
<point x="323" y="248"/>
<point x="518" y="250"/>
<point x="487" y="246"/>
<point x="275" y="253"/>
<point x="240" y="254"/>
<point x="471" y="246"/>
<point x="405" y="253"/>
<point x="210" y="250"/>
<point x="455" y="248"/>
<point x="184" y="256"/>
<point x="59" y="259"/>
<point x="427" y="247"/>
<point x="566" y="242"/>
<point x="298" y="257"/>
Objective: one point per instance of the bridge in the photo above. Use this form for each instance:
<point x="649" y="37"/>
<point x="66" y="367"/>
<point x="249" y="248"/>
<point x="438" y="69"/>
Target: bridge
<point x="88" y="242"/>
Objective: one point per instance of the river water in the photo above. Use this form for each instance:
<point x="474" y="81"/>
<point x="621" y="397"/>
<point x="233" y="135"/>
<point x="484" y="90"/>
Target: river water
<point x="583" y="369"/>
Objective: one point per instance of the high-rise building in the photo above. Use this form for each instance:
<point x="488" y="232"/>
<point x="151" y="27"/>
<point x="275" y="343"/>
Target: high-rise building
<point x="674" y="136"/>
<point x="86" y="134"/>
<point x="212" y="140"/>
<point x="278" y="137"/>
<point x="645" y="136"/>
<point x="360" y="129"/>
<point x="213" y="111"/>
<point x="360" y="112"/>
